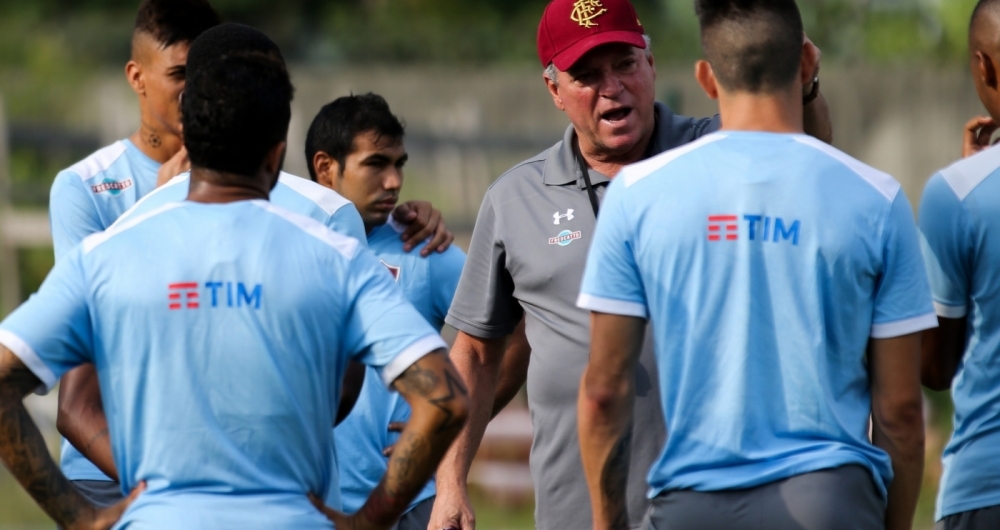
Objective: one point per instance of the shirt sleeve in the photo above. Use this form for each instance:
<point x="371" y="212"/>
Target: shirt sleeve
<point x="347" y="221"/>
<point x="51" y="333"/>
<point x="946" y="240"/>
<point x="484" y="305"/>
<point x="611" y="281"/>
<point x="445" y="271"/>
<point x="71" y="213"/>
<point x="382" y="328"/>
<point x="902" y="298"/>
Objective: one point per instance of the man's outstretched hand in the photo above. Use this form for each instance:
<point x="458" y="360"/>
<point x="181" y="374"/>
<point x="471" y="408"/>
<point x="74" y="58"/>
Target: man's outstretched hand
<point x="978" y="133"/>
<point x="423" y="221"/>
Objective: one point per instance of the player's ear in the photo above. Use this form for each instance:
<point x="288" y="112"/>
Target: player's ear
<point x="274" y="159"/>
<point x="706" y="78"/>
<point x="133" y="73"/>
<point x="985" y="69"/>
<point x="326" y="168"/>
<point x="808" y="63"/>
<point x="554" y="91"/>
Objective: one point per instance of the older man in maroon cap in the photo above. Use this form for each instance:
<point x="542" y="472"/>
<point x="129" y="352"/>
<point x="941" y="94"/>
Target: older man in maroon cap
<point x="528" y="252"/>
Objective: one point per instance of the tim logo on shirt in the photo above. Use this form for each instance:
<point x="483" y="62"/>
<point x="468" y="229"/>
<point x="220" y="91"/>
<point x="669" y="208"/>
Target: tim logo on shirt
<point x="758" y="228"/>
<point x="188" y="295"/>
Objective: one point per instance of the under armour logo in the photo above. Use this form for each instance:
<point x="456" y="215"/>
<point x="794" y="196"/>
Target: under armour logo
<point x="556" y="217"/>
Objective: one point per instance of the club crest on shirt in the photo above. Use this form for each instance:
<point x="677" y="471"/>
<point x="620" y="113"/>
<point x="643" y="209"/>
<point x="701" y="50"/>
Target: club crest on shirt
<point x="565" y="237"/>
<point x="111" y="186"/>
<point x="393" y="270"/>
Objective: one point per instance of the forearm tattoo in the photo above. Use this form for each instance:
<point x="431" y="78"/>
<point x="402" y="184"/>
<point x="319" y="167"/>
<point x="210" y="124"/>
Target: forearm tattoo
<point x="417" y="454"/>
<point x="614" y="481"/>
<point x="23" y="449"/>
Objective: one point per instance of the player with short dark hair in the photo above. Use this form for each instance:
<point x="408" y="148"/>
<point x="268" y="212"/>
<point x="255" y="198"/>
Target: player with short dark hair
<point x="958" y="220"/>
<point x="223" y="410"/>
<point x="787" y="301"/>
<point x="355" y="147"/>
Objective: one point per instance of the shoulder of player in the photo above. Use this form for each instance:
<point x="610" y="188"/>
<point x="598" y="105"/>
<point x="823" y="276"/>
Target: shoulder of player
<point x="885" y="184"/>
<point x="969" y="173"/>
<point x="93" y="241"/>
<point x="634" y="173"/>
<point x="326" y="199"/>
<point x="344" y="245"/>
<point x="171" y="191"/>
<point x="95" y="164"/>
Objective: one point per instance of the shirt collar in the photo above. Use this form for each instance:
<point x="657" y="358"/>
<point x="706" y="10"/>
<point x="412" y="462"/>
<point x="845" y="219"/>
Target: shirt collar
<point x="561" y="167"/>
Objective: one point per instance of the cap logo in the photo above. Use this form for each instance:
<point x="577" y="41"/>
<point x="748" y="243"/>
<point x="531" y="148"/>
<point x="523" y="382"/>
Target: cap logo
<point x="585" y="11"/>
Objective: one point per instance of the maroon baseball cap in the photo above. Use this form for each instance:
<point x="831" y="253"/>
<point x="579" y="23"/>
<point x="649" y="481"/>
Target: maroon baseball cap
<point x="571" y="28"/>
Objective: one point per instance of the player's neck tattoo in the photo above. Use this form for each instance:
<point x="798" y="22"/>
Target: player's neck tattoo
<point x="149" y="136"/>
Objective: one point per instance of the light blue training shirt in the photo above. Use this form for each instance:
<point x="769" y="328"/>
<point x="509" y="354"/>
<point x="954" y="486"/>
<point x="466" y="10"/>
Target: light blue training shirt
<point x="91" y="195"/>
<point x="220" y="349"/>
<point x="86" y="198"/>
<point x="959" y="223"/>
<point x="765" y="263"/>
<point x="429" y="284"/>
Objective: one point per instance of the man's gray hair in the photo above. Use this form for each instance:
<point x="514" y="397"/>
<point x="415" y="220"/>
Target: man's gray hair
<point x="551" y="71"/>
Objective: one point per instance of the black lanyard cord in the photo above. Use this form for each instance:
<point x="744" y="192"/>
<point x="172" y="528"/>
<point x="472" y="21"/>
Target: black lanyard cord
<point x="586" y="175"/>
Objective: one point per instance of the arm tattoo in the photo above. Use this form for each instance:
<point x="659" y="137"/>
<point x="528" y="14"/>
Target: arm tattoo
<point x="23" y="449"/>
<point x="455" y="387"/>
<point x="614" y="481"/>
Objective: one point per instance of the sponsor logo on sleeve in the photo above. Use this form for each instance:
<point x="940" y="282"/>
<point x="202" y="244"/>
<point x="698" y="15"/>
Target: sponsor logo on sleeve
<point x="113" y="187"/>
<point x="758" y="227"/>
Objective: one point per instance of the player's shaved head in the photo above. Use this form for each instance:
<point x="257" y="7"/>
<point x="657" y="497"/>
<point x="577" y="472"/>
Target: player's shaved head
<point x="984" y="54"/>
<point x="163" y="23"/>
<point x="983" y="28"/>
<point x="753" y="45"/>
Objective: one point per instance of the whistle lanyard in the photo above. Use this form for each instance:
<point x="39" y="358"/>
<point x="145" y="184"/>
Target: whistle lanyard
<point x="586" y="176"/>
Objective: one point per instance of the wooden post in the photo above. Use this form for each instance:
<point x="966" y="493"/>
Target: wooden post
<point x="10" y="278"/>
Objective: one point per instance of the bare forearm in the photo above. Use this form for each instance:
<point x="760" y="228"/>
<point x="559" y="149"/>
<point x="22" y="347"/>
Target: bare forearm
<point x="81" y="418"/>
<point x="605" y="440"/>
<point x="907" y="454"/>
<point x="478" y="363"/>
<point x="439" y="403"/>
<point x="816" y="120"/>
<point x="23" y="449"/>
<point x="513" y="369"/>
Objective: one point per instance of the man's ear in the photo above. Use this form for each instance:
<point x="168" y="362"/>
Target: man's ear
<point x="275" y="158"/>
<point x="554" y="91"/>
<point x="986" y="70"/>
<point x="326" y="168"/>
<point x="706" y="78"/>
<point x="808" y="63"/>
<point x="133" y="73"/>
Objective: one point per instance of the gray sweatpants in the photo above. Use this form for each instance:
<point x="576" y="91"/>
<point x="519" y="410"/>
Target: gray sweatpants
<point x="981" y="519"/>
<point x="418" y="517"/>
<point x="842" y="498"/>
